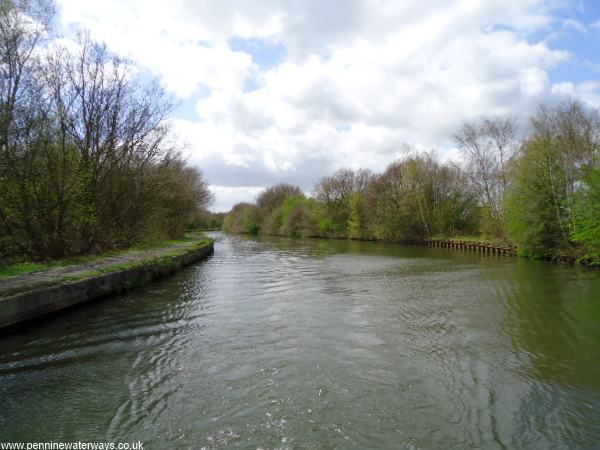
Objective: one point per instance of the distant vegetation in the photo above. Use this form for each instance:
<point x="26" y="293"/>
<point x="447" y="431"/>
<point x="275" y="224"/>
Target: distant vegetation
<point x="206" y="220"/>
<point x="87" y="161"/>
<point x="541" y="192"/>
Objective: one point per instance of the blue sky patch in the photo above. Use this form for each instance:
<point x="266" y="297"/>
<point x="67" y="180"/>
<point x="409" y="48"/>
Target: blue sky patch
<point x="265" y="54"/>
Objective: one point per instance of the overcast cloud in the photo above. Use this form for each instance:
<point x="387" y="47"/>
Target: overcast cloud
<point x="292" y="90"/>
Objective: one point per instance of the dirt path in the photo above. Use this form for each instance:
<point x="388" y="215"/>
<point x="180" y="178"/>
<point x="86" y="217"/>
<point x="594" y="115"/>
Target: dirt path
<point x="41" y="278"/>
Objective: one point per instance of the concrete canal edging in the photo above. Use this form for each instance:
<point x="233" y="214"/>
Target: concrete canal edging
<point x="64" y="293"/>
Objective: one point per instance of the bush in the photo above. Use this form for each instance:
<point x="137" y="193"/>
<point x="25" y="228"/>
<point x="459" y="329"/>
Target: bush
<point x="242" y="219"/>
<point x="536" y="218"/>
<point x="587" y="217"/>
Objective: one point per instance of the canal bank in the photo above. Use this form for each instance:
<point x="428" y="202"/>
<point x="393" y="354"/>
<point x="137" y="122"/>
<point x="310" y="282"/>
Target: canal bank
<point x="28" y="296"/>
<point x="483" y="247"/>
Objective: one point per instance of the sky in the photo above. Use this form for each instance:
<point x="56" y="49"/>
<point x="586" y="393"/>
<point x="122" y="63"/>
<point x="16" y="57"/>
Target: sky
<point x="271" y="91"/>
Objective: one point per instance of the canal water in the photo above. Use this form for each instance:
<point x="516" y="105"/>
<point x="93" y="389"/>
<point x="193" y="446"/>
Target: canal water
<point x="283" y="343"/>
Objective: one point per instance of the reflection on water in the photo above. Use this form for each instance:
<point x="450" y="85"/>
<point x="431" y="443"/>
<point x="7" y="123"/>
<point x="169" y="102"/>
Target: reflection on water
<point x="284" y="343"/>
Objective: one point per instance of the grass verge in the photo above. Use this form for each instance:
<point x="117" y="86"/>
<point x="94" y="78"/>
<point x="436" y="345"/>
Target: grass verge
<point x="167" y="260"/>
<point x="22" y="268"/>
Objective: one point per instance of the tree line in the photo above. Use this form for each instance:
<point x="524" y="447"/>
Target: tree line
<point x="541" y="191"/>
<point x="87" y="160"/>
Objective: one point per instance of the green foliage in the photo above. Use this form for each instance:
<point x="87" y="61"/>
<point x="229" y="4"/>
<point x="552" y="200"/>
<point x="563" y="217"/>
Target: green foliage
<point x="272" y="214"/>
<point x="289" y="206"/>
<point x="490" y="226"/>
<point x="297" y="215"/>
<point x="325" y="226"/>
<point x="534" y="194"/>
<point x="243" y="218"/>
<point x="356" y="215"/>
<point x="335" y="193"/>
<point x="273" y="197"/>
<point x="587" y="217"/>
<point x="537" y="218"/>
<point x="417" y="198"/>
<point x="179" y="246"/>
<point x="413" y="199"/>
<point x="251" y="220"/>
<point x="19" y="269"/>
<point x="96" y="173"/>
<point x="206" y="220"/>
<point x="272" y="222"/>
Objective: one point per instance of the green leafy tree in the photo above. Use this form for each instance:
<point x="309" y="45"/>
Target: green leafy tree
<point x="87" y="161"/>
<point x="243" y="218"/>
<point x="297" y="215"/>
<point x="356" y="220"/>
<point x="587" y="217"/>
<point x="269" y="204"/>
<point x="537" y="218"/>
<point x="334" y="192"/>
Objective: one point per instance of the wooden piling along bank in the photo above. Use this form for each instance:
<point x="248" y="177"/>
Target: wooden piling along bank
<point x="481" y="247"/>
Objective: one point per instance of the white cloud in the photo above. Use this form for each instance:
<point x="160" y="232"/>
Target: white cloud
<point x="159" y="36"/>
<point x="565" y="88"/>
<point x="589" y="91"/>
<point x="534" y="81"/>
<point x="360" y="78"/>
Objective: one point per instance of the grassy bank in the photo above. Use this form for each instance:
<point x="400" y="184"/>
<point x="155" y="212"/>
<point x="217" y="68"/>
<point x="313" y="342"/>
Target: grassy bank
<point x="25" y="267"/>
<point x="62" y="284"/>
<point x="24" y="277"/>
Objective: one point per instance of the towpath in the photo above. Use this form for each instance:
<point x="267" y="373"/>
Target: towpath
<point x="38" y="279"/>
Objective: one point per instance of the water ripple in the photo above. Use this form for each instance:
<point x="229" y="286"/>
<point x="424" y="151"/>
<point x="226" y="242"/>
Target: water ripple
<point x="282" y="343"/>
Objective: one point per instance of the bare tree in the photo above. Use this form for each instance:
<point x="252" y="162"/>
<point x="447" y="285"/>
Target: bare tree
<point x="490" y="146"/>
<point x="23" y="25"/>
<point x="573" y="132"/>
<point x="503" y="136"/>
<point x="342" y="193"/>
<point x="116" y="125"/>
<point x="417" y="197"/>
<point x="274" y="196"/>
<point x="87" y="160"/>
<point x="337" y="188"/>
